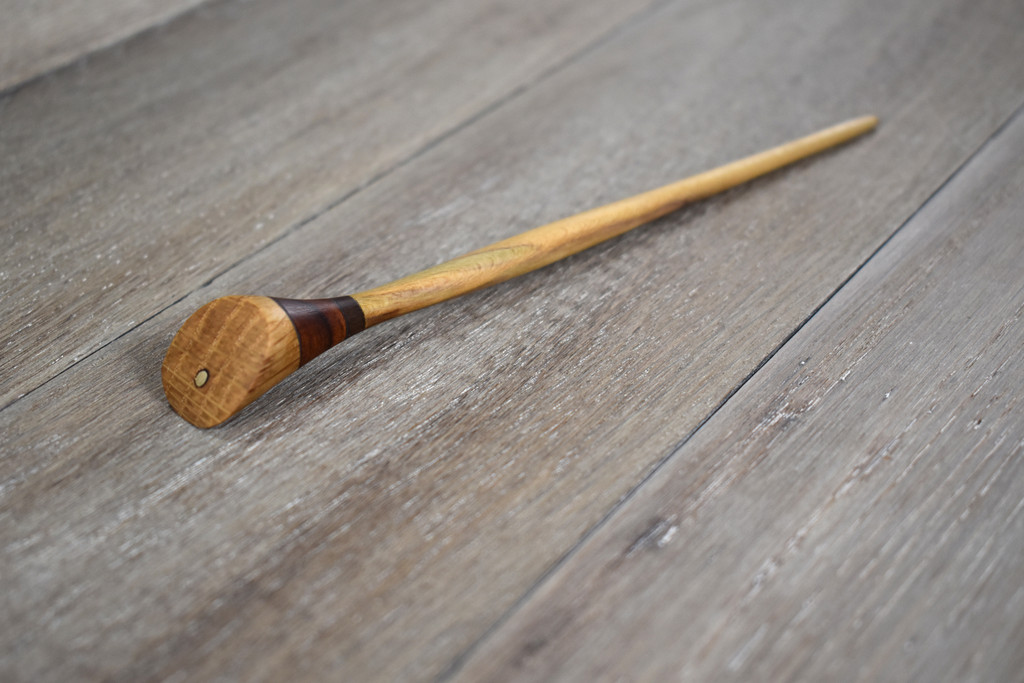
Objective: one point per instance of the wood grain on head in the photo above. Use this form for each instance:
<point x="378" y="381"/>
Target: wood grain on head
<point x="245" y="345"/>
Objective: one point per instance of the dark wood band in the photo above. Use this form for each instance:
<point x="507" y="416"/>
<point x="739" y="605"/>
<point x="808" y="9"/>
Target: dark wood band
<point x="322" y="323"/>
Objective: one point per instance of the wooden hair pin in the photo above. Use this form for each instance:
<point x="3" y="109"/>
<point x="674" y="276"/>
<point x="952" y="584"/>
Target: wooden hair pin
<point x="235" y="348"/>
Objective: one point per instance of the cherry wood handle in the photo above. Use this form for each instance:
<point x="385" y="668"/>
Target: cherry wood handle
<point x="235" y="348"/>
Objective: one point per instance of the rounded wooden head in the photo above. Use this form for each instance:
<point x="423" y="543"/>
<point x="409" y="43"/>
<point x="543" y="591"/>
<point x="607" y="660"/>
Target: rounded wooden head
<point x="226" y="355"/>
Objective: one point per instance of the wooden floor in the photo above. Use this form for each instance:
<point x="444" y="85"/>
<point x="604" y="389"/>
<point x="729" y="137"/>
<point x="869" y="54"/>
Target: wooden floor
<point x="777" y="435"/>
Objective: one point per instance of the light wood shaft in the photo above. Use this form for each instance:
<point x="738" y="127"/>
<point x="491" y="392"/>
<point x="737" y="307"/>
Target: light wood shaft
<point x="544" y="245"/>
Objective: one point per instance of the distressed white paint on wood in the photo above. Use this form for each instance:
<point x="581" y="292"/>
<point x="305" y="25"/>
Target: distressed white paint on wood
<point x="130" y="182"/>
<point x="855" y="512"/>
<point x="39" y="35"/>
<point x="378" y="511"/>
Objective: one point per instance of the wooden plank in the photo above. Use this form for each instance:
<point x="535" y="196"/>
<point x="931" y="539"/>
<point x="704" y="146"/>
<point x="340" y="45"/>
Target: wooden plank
<point x="854" y="512"/>
<point x="38" y="36"/>
<point x="130" y="182"/>
<point x="379" y="510"/>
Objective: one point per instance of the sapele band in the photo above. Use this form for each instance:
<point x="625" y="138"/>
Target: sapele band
<point x="322" y="323"/>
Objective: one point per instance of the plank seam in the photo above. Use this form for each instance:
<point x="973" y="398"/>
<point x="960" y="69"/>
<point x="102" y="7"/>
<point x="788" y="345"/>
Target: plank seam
<point x="511" y="95"/>
<point x="491" y="632"/>
<point x="90" y="53"/>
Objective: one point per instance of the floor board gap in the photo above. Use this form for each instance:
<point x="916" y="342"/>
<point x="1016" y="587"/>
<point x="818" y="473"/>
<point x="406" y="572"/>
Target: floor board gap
<point x="90" y="53"/>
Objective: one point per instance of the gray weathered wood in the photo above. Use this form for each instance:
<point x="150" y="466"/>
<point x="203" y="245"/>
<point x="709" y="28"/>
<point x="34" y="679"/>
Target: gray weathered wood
<point x="130" y="182"/>
<point x="379" y="510"/>
<point x="854" y="512"/>
<point x="41" y="35"/>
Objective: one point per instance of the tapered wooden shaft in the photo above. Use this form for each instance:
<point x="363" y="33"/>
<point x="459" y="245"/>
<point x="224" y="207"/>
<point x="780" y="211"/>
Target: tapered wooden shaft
<point x="549" y="243"/>
<point x="235" y="348"/>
